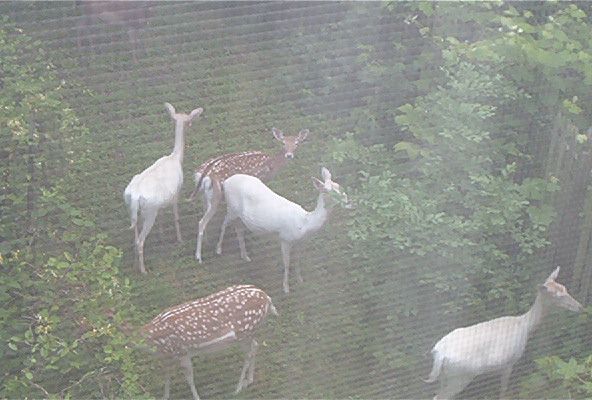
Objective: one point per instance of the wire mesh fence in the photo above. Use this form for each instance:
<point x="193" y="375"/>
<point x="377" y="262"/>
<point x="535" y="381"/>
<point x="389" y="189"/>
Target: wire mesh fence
<point x="459" y="133"/>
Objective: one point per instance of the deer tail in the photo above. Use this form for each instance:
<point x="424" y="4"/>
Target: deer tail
<point x="134" y="204"/>
<point x="436" y="368"/>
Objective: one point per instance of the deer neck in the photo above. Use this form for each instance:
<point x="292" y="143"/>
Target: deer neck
<point x="315" y="219"/>
<point x="535" y="315"/>
<point x="276" y="162"/>
<point x="179" y="141"/>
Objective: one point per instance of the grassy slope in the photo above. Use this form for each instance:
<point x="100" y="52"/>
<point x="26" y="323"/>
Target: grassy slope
<point x="237" y="62"/>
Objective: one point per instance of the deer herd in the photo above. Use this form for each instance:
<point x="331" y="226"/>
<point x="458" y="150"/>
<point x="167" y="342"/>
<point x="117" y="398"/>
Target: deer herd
<point x="232" y="316"/>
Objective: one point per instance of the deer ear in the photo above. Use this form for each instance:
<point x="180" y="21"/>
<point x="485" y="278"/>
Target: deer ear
<point x="195" y="113"/>
<point x="171" y="109"/>
<point x="325" y="174"/>
<point x="320" y="186"/>
<point x="279" y="135"/>
<point x="302" y="135"/>
<point x="553" y="275"/>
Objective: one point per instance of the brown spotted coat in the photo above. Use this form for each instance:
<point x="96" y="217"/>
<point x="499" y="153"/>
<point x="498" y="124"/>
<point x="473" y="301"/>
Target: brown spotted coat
<point x="234" y="312"/>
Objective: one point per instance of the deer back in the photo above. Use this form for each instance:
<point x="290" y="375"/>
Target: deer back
<point x="254" y="163"/>
<point x="223" y="317"/>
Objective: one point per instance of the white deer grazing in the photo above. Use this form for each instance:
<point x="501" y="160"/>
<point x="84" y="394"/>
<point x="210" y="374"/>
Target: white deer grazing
<point x="209" y="324"/>
<point x="263" y="211"/>
<point x="158" y="185"/>
<point x="494" y="345"/>
<point x="210" y="176"/>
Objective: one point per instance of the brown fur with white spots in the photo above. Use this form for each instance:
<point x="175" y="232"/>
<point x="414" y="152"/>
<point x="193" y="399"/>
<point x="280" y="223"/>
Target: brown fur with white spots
<point x="208" y="324"/>
<point x="211" y="175"/>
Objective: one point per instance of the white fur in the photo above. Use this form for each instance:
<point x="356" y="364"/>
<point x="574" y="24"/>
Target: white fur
<point x="263" y="211"/>
<point x="158" y="185"/>
<point x="212" y="185"/>
<point x="493" y="345"/>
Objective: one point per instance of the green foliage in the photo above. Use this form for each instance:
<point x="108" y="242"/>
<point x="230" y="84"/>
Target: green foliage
<point x="561" y="379"/>
<point x="436" y="122"/>
<point x="63" y="306"/>
<point x="458" y="200"/>
<point x="566" y="371"/>
<point x="37" y="131"/>
<point x="546" y="52"/>
<point x="64" y="318"/>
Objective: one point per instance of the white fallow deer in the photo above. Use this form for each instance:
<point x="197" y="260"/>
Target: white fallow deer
<point x="158" y="185"/>
<point x="263" y="211"/>
<point x="210" y="324"/>
<point x="210" y="176"/>
<point x="493" y="346"/>
<point x="130" y="15"/>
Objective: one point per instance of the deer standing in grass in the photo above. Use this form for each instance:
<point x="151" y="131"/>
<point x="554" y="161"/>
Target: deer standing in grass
<point x="263" y="211"/>
<point x="210" y="176"/>
<point x="131" y="15"/>
<point x="158" y="185"/>
<point x="494" y="345"/>
<point x="210" y="324"/>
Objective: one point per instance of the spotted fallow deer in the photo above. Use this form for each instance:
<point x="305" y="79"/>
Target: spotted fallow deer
<point x="210" y="324"/>
<point x="210" y="176"/>
<point x="158" y="185"/>
<point x="130" y="15"/>
<point x="263" y="211"/>
<point x="494" y="345"/>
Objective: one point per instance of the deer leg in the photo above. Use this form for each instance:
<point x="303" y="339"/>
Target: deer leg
<point x="250" y="352"/>
<point x="149" y="218"/>
<point x="286" y="260"/>
<point x="251" y="373"/>
<point x="207" y="205"/>
<point x="136" y="237"/>
<point x="505" y="379"/>
<point x="451" y="385"/>
<point x="240" y="234"/>
<point x="216" y="197"/>
<point x="188" y="371"/>
<point x="167" y="385"/>
<point x="227" y="219"/>
<point x="176" y="216"/>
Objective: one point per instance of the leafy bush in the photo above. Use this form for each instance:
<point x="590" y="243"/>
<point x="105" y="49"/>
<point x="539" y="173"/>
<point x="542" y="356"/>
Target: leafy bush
<point x="64" y="299"/>
<point x="457" y="200"/>
<point x="37" y="131"/>
<point x="64" y="318"/>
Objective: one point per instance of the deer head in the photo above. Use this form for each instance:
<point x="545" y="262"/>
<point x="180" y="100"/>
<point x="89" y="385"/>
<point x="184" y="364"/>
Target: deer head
<point x="556" y="294"/>
<point x="182" y="117"/>
<point x="331" y="189"/>
<point x="290" y="142"/>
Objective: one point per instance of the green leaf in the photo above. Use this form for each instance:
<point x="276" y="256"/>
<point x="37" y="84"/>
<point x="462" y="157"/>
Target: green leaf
<point x="411" y="149"/>
<point x="542" y="215"/>
<point x="571" y="106"/>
